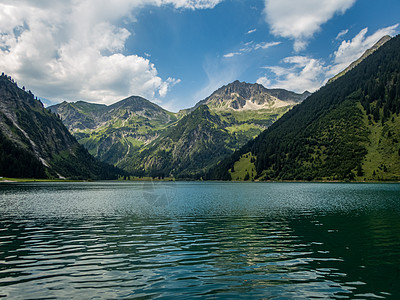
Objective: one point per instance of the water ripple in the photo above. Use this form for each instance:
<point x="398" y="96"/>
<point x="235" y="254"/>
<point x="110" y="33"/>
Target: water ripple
<point x="77" y="241"/>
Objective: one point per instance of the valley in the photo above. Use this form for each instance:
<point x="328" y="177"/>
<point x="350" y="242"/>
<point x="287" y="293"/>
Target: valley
<point x="146" y="140"/>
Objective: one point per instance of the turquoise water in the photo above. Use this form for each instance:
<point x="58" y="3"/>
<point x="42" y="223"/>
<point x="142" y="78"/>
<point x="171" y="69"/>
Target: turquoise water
<point x="199" y="240"/>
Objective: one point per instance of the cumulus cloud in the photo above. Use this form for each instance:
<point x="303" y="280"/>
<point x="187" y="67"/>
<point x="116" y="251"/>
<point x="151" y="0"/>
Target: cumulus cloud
<point x="300" y="73"/>
<point x="300" y="20"/>
<point x="351" y="50"/>
<point x="75" y="49"/>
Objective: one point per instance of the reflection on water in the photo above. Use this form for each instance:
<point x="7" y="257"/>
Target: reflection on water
<point x="207" y="240"/>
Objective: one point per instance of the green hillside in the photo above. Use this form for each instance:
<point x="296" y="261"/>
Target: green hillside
<point x="348" y="130"/>
<point x="113" y="132"/>
<point x="34" y="143"/>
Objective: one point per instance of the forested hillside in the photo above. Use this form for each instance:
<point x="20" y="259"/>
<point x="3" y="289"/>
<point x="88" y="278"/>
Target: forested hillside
<point x="348" y="130"/>
<point x="34" y="143"/>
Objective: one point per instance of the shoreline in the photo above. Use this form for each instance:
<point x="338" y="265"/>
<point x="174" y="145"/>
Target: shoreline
<point x="27" y="180"/>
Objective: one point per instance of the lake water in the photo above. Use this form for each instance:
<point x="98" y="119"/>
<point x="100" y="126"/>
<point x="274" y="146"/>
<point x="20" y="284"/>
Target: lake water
<point x="187" y="240"/>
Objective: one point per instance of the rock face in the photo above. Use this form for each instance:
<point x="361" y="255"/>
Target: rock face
<point x="239" y="96"/>
<point x="28" y="128"/>
<point x="348" y="130"/>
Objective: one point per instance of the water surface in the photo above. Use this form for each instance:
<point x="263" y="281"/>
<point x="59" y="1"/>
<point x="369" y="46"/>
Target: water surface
<point x="205" y="240"/>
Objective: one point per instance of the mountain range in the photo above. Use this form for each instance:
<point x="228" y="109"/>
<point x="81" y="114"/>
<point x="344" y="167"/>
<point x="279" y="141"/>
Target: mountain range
<point x="347" y="130"/>
<point x="144" y="139"/>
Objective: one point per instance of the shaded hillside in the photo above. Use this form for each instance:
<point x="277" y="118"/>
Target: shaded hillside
<point x="35" y="143"/>
<point x="349" y="129"/>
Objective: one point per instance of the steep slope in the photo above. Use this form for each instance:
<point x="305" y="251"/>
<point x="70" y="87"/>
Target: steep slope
<point x="349" y="129"/>
<point x="35" y="143"/>
<point x="185" y="150"/>
<point x="112" y="132"/>
<point x="79" y="115"/>
<point x="367" y="53"/>
<point x="248" y="109"/>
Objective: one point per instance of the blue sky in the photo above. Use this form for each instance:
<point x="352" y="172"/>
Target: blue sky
<point x="177" y="52"/>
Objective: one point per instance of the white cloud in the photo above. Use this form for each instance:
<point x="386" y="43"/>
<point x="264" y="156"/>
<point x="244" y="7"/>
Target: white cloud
<point x="266" y="45"/>
<point x="264" y="81"/>
<point x="300" y="20"/>
<point x="351" y="50"/>
<point x="341" y="34"/>
<point x="300" y="73"/>
<point x="250" y="47"/>
<point x="303" y="73"/>
<point x="251" y="31"/>
<point x="74" y="49"/>
<point x="232" y="54"/>
<point x="169" y="83"/>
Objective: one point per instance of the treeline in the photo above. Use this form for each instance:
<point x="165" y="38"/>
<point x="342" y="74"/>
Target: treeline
<point x="325" y="136"/>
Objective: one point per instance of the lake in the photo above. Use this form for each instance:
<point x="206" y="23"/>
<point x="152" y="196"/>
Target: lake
<point x="207" y="240"/>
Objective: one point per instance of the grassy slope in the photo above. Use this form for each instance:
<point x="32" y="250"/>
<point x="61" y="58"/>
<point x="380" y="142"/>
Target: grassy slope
<point x="382" y="161"/>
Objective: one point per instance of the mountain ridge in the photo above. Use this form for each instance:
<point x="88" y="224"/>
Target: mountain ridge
<point x="237" y="95"/>
<point x="38" y="137"/>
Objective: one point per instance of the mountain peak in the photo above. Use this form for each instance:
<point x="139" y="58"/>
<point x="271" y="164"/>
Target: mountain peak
<point x="250" y="96"/>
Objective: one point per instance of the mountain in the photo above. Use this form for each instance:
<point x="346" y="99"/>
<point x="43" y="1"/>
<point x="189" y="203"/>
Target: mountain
<point x="141" y="137"/>
<point x="242" y="96"/>
<point x="348" y="130"/>
<point x="35" y="143"/>
<point x="213" y="129"/>
<point x="112" y="132"/>
<point x="367" y="53"/>
<point x="185" y="150"/>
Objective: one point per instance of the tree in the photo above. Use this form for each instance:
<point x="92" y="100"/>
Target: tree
<point x="247" y="176"/>
<point x="359" y="170"/>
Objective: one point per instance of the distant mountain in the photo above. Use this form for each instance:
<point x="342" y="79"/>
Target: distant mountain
<point x="367" y="53"/>
<point x="35" y="143"/>
<point x="213" y="129"/>
<point x="145" y="139"/>
<point x="113" y="132"/>
<point x="242" y="96"/>
<point x="348" y="130"/>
